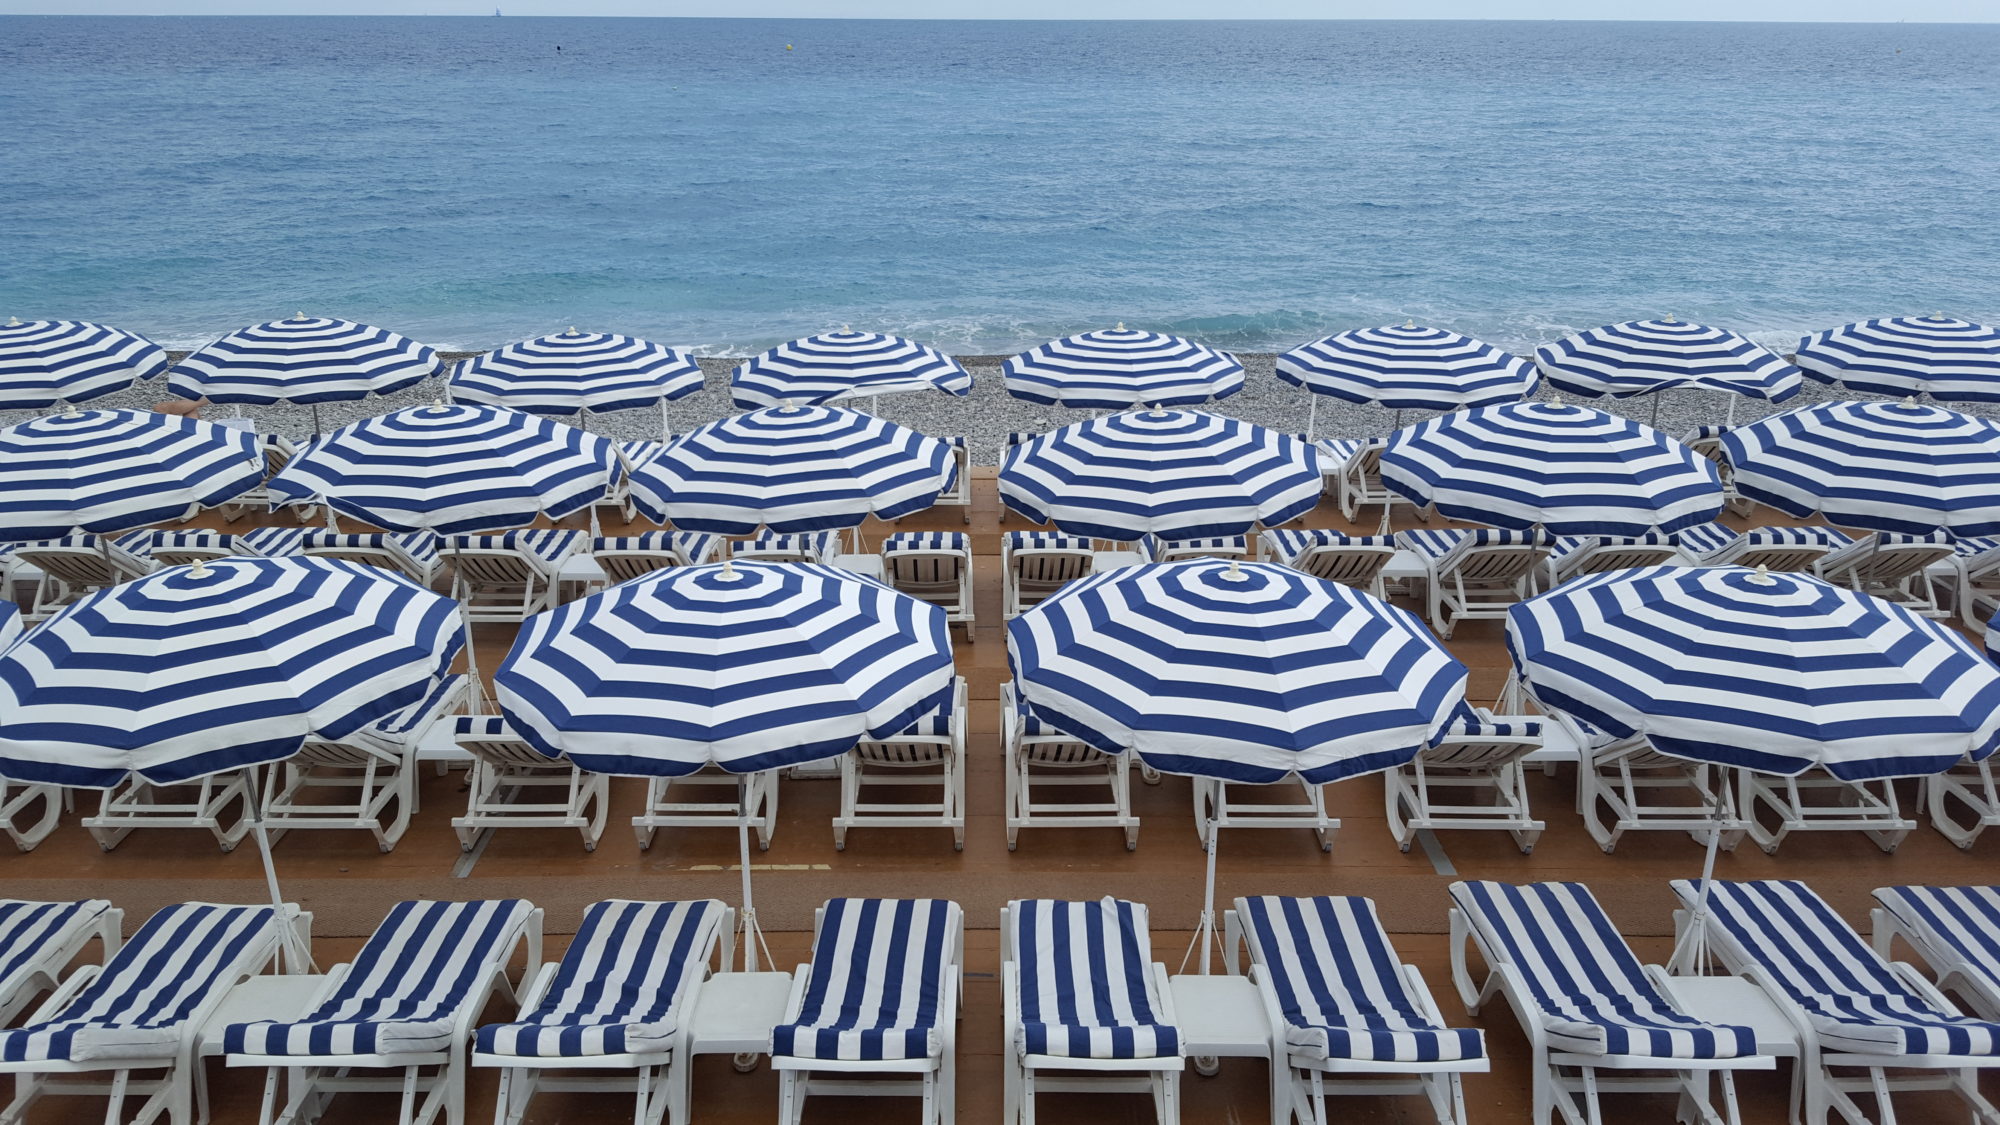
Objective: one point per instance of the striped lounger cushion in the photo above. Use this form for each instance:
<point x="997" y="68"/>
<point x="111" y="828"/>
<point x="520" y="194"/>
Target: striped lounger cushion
<point x="403" y="991"/>
<point x="1964" y="919"/>
<point x="879" y="970"/>
<point x="636" y="454"/>
<point x="694" y="546"/>
<point x="1436" y="543"/>
<point x="29" y="930"/>
<point x="617" y="988"/>
<point x="1593" y="996"/>
<point x="1340" y="986"/>
<point x="1086" y="972"/>
<point x="1468" y="721"/>
<point x="1334" y="455"/>
<point x="138" y="1006"/>
<point x="1152" y="547"/>
<point x="420" y="546"/>
<point x="927" y="541"/>
<point x="548" y="545"/>
<point x="1853" y="998"/>
<point x="1567" y="545"/>
<point x="1286" y="545"/>
<point x="819" y="546"/>
<point x="146" y="543"/>
<point x="1045" y="541"/>
<point x="273" y="542"/>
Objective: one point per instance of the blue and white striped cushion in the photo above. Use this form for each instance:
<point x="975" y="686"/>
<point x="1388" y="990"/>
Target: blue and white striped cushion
<point x="1705" y="433"/>
<point x="1567" y="545"/>
<point x="1974" y="546"/>
<point x="273" y="542"/>
<point x="404" y="991"/>
<point x="1469" y="722"/>
<point x="392" y="732"/>
<point x="694" y="546"/>
<point x="138" y="1007"/>
<point x="1967" y="919"/>
<point x="1020" y="437"/>
<point x="1287" y="544"/>
<point x="1593" y="997"/>
<point x="1850" y="994"/>
<point x="1436" y="543"/>
<point x="1032" y="723"/>
<point x="420" y="546"/>
<point x="819" y="546"/>
<point x="1086" y="981"/>
<point x="1704" y="539"/>
<point x="29" y="931"/>
<point x="927" y="541"/>
<point x="548" y="545"/>
<point x="1045" y="541"/>
<point x="618" y="988"/>
<point x="1340" y="986"/>
<point x="879" y="971"/>
<point x="1334" y="455"/>
<point x="146" y="543"/>
<point x="473" y="727"/>
<point x="1857" y="552"/>
<point x="1152" y="547"/>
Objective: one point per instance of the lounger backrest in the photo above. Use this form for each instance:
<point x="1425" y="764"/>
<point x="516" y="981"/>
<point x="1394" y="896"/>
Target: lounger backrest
<point x="929" y="740"/>
<point x="813" y="547"/>
<point x="83" y="560"/>
<point x="424" y="961"/>
<point x="1487" y="555"/>
<point x="1086" y="968"/>
<point x="629" y="963"/>
<point x="414" y="555"/>
<point x="159" y="977"/>
<point x="395" y="732"/>
<point x="1156" y="549"/>
<point x="1330" y="962"/>
<point x="880" y="967"/>
<point x="1885" y="557"/>
<point x="29" y="930"/>
<point x="1038" y="740"/>
<point x="491" y="739"/>
<point x="1044" y="568"/>
<point x="1477" y="739"/>
<point x="927" y="564"/>
<point x="1351" y="566"/>
<point x="178" y="548"/>
<point x="1797" y="940"/>
<point x="1964" y="919"/>
<point x="1616" y="554"/>
<point x="513" y="558"/>
<point x="1562" y="943"/>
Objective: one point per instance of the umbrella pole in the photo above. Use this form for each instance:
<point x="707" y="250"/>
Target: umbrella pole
<point x="1691" y="951"/>
<point x="1656" y="409"/>
<point x="315" y="407"/>
<point x="1204" y="933"/>
<point x="1730" y="418"/>
<point x="1312" y="415"/>
<point x="666" y="422"/>
<point x="296" y="956"/>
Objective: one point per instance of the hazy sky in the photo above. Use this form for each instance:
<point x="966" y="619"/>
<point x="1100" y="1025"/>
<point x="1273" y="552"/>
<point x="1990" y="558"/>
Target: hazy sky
<point x="1871" y="10"/>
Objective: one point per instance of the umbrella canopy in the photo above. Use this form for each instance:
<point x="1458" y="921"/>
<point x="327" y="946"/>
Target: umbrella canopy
<point x="1951" y="360"/>
<point x="1771" y="672"/>
<point x="1178" y="474"/>
<point x="303" y="359"/>
<point x="571" y="373"/>
<point x="747" y="666"/>
<point x="450" y="469"/>
<point x="1409" y="367"/>
<point x="46" y="362"/>
<point x="11" y="625"/>
<point x="198" y="669"/>
<point x="791" y="469"/>
<point x="1243" y="672"/>
<point x="1874" y="466"/>
<point x="1644" y="356"/>
<point x="107" y="471"/>
<point x="1569" y="469"/>
<point x="833" y="366"/>
<point x="1121" y="368"/>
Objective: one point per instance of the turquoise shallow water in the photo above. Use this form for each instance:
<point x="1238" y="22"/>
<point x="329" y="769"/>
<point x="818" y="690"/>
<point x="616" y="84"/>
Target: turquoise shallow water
<point x="987" y="185"/>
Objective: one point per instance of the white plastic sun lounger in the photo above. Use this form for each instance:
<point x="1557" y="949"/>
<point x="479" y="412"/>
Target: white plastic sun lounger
<point x="1575" y="555"/>
<point x="1082" y="994"/>
<point x="1346" y="1016"/>
<point x="76" y="565"/>
<point x="180" y="548"/>
<point x="1041" y="759"/>
<point x="933" y="566"/>
<point x="1351" y="560"/>
<point x="412" y="554"/>
<point x="809" y="547"/>
<point x="506" y="769"/>
<point x="202" y="803"/>
<point x="1850" y="1008"/>
<point x="876" y="1012"/>
<point x="1634" y="782"/>
<point x="278" y="452"/>
<point x="510" y="576"/>
<point x="143" y="1013"/>
<point x="1154" y="549"/>
<point x="1035" y="564"/>
<point x="15" y="801"/>
<point x="1963" y="801"/>
<point x="959" y="495"/>
<point x="1975" y="580"/>
<point x="1956" y="930"/>
<point x="624" y="558"/>
<point x="1587" y="1006"/>
<point x="372" y="769"/>
<point x="622" y="999"/>
<point x="406" y="1003"/>
<point x="930" y="756"/>
<point x="1772" y="548"/>
<point x="1892" y="567"/>
<point x="38" y="940"/>
<point x="1479" y="755"/>
<point x="1476" y="573"/>
<point x="1360" y="482"/>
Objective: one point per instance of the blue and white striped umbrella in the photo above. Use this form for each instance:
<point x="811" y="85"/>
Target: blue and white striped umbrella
<point x="800" y="468"/>
<point x="1569" y="469"/>
<point x="1645" y="356"/>
<point x="450" y="469"/>
<point x="746" y="666"/>
<point x="570" y="373"/>
<point x="834" y="366"/>
<point x="11" y="625"/>
<point x="1178" y="474"/>
<point x="194" y="670"/>
<point x="1771" y="672"/>
<point x="1409" y="367"/>
<point x="1238" y="671"/>
<point x="1951" y="360"/>
<point x="45" y="362"/>
<point x="1874" y="466"/>
<point x="108" y="471"/>
<point x="1120" y="368"/>
<point x="305" y="360"/>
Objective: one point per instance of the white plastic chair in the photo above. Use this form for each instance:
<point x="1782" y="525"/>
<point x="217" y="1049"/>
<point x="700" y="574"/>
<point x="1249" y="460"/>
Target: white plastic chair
<point x="935" y="567"/>
<point x="930" y="755"/>
<point x="511" y="576"/>
<point x="1892" y="567"/>
<point x="508" y="775"/>
<point x="1035" y="564"/>
<point x="1351" y="560"/>
<point x="1479" y="755"/>
<point x="1041" y="761"/>
<point x="75" y="566"/>
<point x="1476" y="574"/>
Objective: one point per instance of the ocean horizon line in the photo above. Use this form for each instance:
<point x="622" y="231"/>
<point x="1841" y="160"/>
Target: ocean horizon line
<point x="1066" y="20"/>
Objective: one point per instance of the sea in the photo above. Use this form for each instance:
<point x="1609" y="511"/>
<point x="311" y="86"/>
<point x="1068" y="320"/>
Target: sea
<point x="725" y="184"/>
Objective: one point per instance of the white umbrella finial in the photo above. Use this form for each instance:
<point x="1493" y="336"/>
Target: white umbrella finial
<point x="1763" y="576"/>
<point x="1409" y="322"/>
<point x="1235" y="572"/>
<point x="13" y="322"/>
<point x="299" y="315"/>
<point x="200" y="569"/>
<point x="1120" y="328"/>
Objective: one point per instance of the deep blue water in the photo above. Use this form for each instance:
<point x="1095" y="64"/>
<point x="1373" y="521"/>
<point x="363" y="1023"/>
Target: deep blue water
<point x="985" y="185"/>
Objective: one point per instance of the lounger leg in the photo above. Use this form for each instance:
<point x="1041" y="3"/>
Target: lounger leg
<point x="1885" y="1109"/>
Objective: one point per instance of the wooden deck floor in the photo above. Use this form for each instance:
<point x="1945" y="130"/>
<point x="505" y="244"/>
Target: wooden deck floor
<point x="349" y="885"/>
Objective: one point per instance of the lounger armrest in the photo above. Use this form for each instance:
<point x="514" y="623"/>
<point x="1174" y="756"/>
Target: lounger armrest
<point x="65" y="991"/>
<point x="537" y="987"/>
<point x="1163" y="983"/>
<point x="1920" y="984"/>
<point x="1010" y="1007"/>
<point x="796" y="1002"/>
